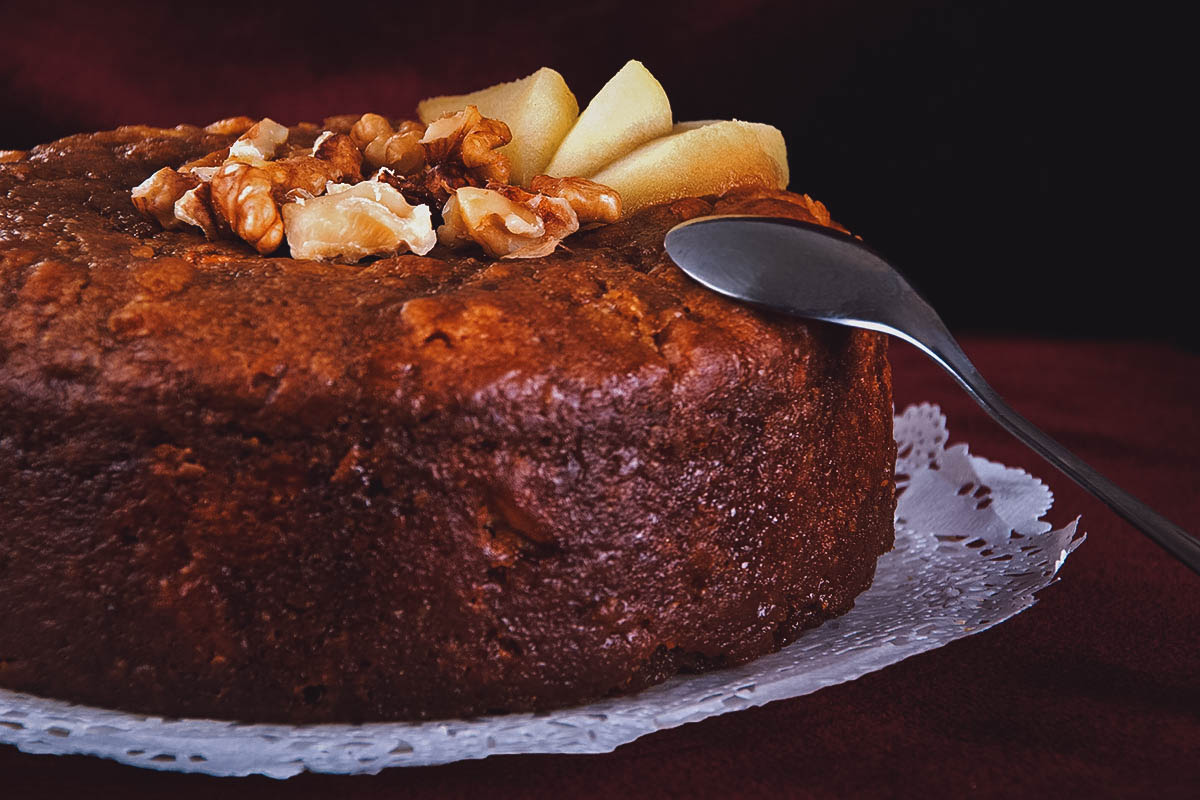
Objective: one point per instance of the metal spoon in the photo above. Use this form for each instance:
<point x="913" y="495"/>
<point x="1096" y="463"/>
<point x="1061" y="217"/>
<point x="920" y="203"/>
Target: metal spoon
<point x="811" y="271"/>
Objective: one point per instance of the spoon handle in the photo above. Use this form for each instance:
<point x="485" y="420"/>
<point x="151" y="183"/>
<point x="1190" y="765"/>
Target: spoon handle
<point x="1172" y="538"/>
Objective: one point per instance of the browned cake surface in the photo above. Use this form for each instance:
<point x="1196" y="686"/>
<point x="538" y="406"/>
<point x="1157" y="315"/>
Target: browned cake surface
<point x="264" y="489"/>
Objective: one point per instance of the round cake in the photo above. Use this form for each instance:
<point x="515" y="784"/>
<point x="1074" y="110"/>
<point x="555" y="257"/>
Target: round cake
<point x="268" y="489"/>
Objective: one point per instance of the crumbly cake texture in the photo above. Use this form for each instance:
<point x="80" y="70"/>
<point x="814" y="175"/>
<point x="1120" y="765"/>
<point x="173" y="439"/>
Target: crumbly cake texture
<point x="273" y="490"/>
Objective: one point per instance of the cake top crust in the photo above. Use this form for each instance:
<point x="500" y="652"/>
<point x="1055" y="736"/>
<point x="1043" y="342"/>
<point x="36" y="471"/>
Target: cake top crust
<point x="98" y="302"/>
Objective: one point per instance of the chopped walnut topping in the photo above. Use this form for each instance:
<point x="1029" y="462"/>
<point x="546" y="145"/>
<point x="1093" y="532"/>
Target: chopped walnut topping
<point x="459" y="150"/>
<point x="230" y="125"/>
<point x="352" y="222"/>
<point x="214" y="159"/>
<point x="508" y="222"/>
<point x="156" y="196"/>
<point x="400" y="150"/>
<point x="206" y="166"/>
<point x="195" y="208"/>
<point x="368" y="128"/>
<point x="340" y="123"/>
<point x="204" y="174"/>
<point x="471" y="139"/>
<point x="259" y="143"/>
<point x="488" y="217"/>
<point x="411" y="126"/>
<point x="432" y="185"/>
<point x="264" y="188"/>
<point x="341" y="158"/>
<point x="593" y="202"/>
<point x="241" y="195"/>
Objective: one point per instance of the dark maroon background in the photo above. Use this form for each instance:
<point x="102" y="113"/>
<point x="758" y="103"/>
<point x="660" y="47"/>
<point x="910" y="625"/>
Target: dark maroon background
<point x="1006" y="154"/>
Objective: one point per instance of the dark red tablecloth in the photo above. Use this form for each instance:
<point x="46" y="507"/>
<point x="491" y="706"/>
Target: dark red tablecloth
<point x="1095" y="691"/>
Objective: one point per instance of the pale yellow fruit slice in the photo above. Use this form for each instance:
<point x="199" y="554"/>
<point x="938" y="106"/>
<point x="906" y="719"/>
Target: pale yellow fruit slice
<point x="769" y="137"/>
<point x="628" y="111"/>
<point x="697" y="160"/>
<point x="538" y="109"/>
<point x="772" y="140"/>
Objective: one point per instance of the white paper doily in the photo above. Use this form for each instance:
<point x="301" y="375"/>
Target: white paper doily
<point x="971" y="550"/>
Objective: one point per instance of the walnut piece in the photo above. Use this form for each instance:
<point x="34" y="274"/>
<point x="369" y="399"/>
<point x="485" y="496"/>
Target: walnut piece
<point x="349" y="223"/>
<point x="368" y="128"/>
<point x="195" y="208"/>
<point x="230" y="125"/>
<point x="433" y="185"/>
<point x="470" y="139"/>
<point x="506" y="221"/>
<point x="155" y="197"/>
<point x="214" y="159"/>
<point x="400" y="150"/>
<point x="241" y="195"/>
<point x="259" y="143"/>
<point x="593" y="202"/>
<point x="206" y="166"/>
<point x="338" y="156"/>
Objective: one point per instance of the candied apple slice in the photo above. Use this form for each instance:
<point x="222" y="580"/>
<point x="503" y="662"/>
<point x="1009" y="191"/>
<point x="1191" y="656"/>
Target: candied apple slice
<point x="538" y="109"/>
<point x="630" y="110"/>
<point x="699" y="159"/>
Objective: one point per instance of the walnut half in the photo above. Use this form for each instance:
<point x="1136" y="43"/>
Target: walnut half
<point x="241" y="195"/>
<point x="593" y="202"/>
<point x="349" y="223"/>
<point x="398" y="149"/>
<point x="156" y="196"/>
<point x="195" y="208"/>
<point x="506" y="221"/>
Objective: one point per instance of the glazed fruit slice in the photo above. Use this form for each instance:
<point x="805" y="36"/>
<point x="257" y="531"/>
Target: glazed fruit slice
<point x="630" y="110"/>
<point x="538" y="109"/>
<point x="697" y="159"/>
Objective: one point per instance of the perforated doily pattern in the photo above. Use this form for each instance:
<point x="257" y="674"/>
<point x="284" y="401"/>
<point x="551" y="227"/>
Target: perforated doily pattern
<point x="971" y="550"/>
